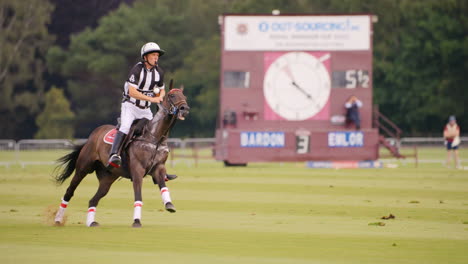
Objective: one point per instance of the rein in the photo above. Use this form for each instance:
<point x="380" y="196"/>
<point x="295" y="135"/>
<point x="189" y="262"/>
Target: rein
<point x="173" y="110"/>
<point x="171" y="125"/>
<point x="158" y="143"/>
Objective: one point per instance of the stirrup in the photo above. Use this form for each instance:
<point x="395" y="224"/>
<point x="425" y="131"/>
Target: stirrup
<point x="115" y="161"/>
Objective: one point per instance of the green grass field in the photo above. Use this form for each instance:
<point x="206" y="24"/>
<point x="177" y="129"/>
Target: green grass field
<point x="263" y="213"/>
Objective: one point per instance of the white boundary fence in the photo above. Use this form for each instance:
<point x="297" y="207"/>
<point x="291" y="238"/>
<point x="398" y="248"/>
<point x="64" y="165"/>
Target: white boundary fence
<point x="187" y="150"/>
<point x="190" y="150"/>
<point x="421" y="141"/>
<point x="425" y="141"/>
<point x="7" y="144"/>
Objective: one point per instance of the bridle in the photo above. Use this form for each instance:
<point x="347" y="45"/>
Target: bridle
<point x="174" y="108"/>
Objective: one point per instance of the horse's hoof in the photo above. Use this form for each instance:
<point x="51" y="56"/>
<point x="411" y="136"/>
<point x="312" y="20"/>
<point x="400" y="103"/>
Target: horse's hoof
<point x="170" y="207"/>
<point x="57" y="223"/>
<point x="136" y="223"/>
<point x="170" y="177"/>
<point x="94" y="224"/>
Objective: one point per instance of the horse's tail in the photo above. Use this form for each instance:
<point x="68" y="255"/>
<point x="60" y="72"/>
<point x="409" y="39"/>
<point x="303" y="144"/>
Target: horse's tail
<point x="69" y="161"/>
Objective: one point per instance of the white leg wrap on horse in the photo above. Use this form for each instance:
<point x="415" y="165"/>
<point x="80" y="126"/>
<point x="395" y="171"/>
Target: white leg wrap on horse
<point x="61" y="211"/>
<point x="91" y="215"/>
<point x="137" y="210"/>
<point x="166" y="197"/>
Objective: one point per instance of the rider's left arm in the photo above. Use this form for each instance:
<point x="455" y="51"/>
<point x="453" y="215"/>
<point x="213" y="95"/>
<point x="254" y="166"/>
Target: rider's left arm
<point x="133" y="92"/>
<point x="162" y="94"/>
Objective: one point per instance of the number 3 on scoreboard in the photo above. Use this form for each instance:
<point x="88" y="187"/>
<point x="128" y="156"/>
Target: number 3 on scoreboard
<point x="302" y="144"/>
<point x="355" y="78"/>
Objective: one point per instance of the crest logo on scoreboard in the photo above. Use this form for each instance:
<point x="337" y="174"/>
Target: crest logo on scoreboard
<point x="242" y="29"/>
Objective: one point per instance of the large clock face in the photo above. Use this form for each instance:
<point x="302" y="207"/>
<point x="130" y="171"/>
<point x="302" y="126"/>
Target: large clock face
<point x="296" y="85"/>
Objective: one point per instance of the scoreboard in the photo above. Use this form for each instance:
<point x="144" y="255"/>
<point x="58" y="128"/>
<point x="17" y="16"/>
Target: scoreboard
<point x="283" y="85"/>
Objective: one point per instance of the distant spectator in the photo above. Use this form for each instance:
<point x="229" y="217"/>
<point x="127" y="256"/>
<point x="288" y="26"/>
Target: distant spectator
<point x="452" y="140"/>
<point x="352" y="112"/>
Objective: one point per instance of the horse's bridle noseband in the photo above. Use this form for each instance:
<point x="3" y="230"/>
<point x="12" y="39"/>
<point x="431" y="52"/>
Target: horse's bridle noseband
<point x="174" y="108"/>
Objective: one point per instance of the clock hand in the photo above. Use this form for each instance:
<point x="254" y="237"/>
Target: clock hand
<point x="288" y="72"/>
<point x="302" y="90"/>
<point x="305" y="93"/>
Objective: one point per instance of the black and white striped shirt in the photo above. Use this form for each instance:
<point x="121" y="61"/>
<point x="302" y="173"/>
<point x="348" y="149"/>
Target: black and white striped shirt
<point x="145" y="80"/>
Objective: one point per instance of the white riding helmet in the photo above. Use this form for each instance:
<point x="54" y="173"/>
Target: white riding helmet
<point x="151" y="47"/>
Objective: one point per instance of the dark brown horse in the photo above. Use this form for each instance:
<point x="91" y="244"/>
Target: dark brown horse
<point x="144" y="155"/>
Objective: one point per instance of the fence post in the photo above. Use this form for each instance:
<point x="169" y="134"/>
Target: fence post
<point x="172" y="157"/>
<point x="415" y="156"/>
<point x="195" y="152"/>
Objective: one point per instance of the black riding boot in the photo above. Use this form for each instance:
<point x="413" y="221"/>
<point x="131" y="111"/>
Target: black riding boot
<point x="115" y="160"/>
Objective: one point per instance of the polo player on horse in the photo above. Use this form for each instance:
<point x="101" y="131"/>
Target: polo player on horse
<point x="144" y="85"/>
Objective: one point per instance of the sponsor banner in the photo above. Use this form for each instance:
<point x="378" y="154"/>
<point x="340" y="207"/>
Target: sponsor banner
<point x="345" y="139"/>
<point x="270" y="33"/>
<point x="370" y="164"/>
<point x="262" y="139"/>
<point x="344" y="164"/>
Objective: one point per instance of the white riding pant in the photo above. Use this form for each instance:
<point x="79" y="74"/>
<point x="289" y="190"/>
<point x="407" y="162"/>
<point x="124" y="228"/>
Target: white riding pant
<point x="130" y="112"/>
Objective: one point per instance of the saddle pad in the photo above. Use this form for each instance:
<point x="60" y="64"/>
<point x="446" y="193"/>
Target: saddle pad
<point x="109" y="136"/>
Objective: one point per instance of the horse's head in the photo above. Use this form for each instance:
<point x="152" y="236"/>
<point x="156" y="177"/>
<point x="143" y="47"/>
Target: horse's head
<point x="176" y="103"/>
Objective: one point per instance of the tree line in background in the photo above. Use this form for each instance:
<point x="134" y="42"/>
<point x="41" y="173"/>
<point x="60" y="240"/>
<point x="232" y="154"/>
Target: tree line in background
<point x="63" y="65"/>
